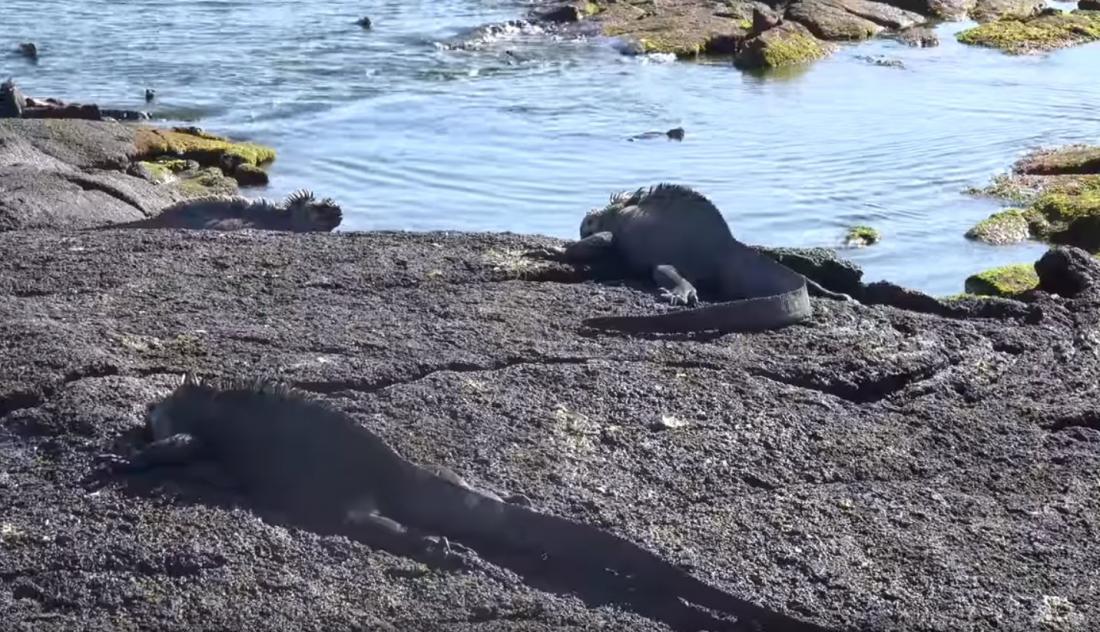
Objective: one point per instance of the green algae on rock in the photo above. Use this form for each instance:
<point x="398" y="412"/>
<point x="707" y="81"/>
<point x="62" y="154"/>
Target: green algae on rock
<point x="195" y="144"/>
<point x="861" y="236"/>
<point x="1017" y="35"/>
<point x="788" y="44"/>
<point x="1009" y="226"/>
<point x="1006" y="281"/>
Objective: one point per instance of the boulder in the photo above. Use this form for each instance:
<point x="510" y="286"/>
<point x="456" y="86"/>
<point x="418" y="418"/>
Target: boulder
<point x="788" y="44"/>
<point x="850" y="19"/>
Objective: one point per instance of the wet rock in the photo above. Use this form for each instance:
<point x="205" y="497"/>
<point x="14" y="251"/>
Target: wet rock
<point x="1037" y="34"/>
<point x="565" y="14"/>
<point x="822" y="265"/>
<point x="881" y="60"/>
<point x="364" y="22"/>
<point x="918" y="37"/>
<point x="859" y="236"/>
<point x="248" y="176"/>
<point x="1067" y="271"/>
<point x="788" y="44"/>
<point x="850" y="19"/>
<point x="1005" y="227"/>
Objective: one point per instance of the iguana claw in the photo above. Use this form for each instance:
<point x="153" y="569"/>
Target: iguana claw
<point x="677" y="296"/>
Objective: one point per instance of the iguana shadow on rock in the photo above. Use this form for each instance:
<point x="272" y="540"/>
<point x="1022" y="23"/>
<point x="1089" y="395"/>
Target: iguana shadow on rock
<point x="304" y="464"/>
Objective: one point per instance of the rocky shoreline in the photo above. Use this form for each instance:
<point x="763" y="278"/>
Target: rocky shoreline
<point x="774" y="34"/>
<point x="906" y="463"/>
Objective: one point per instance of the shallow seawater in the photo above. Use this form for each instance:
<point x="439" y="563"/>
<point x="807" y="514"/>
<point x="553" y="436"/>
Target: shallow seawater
<point x="408" y="135"/>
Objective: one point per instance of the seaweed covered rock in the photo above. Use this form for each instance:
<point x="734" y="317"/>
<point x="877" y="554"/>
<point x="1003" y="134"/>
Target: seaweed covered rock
<point x="1005" y="281"/>
<point x="1016" y="35"/>
<point x="858" y="236"/>
<point x="1005" y="227"/>
<point x="788" y="44"/>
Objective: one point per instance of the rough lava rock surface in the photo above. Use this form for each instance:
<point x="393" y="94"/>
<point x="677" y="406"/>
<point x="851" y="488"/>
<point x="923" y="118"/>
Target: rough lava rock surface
<point x="872" y="469"/>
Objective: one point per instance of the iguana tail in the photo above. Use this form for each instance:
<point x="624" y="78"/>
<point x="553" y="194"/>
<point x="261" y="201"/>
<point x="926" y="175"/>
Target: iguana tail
<point x="750" y="314"/>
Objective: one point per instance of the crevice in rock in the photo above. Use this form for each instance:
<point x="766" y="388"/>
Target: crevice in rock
<point x="867" y="391"/>
<point x="19" y="400"/>
<point x="362" y="386"/>
<point x="1080" y="419"/>
<point x="89" y="184"/>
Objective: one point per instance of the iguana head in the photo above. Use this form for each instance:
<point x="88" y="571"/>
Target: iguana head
<point x="307" y="213"/>
<point x="601" y="219"/>
<point x="174" y="413"/>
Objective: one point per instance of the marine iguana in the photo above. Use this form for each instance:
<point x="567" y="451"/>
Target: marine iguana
<point x="301" y="212"/>
<point x="679" y="237"/>
<point x="676" y="133"/>
<point x="295" y="454"/>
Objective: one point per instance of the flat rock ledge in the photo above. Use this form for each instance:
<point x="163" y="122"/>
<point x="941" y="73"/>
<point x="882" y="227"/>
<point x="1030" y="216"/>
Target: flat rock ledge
<point x="876" y="468"/>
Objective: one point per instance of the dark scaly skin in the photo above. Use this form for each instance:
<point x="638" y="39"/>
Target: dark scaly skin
<point x="301" y="457"/>
<point x="301" y="212"/>
<point x="680" y="238"/>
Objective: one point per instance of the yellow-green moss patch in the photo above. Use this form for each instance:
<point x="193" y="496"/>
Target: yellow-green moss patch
<point x="1006" y="227"/>
<point x="1006" y="281"/>
<point x="208" y="181"/>
<point x="205" y="148"/>
<point x="788" y="44"/>
<point x="1025" y="35"/>
<point x="861" y="236"/>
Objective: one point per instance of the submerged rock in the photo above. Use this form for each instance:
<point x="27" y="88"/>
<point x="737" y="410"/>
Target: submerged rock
<point x="858" y="236"/>
<point x="1030" y="35"/>
<point x="1059" y="190"/>
<point x="918" y="37"/>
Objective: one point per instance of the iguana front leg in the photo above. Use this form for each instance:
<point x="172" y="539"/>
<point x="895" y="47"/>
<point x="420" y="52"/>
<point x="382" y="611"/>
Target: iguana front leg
<point x="592" y="247"/>
<point x="177" y="449"/>
<point x="674" y="287"/>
